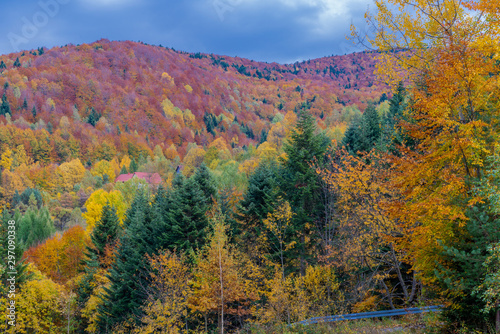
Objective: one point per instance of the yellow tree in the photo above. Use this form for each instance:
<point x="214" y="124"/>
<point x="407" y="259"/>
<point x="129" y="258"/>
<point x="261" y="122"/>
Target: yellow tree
<point x="218" y="281"/>
<point x="6" y="159"/>
<point x="97" y="201"/>
<point x="38" y="306"/>
<point x="166" y="306"/>
<point x="21" y="157"/>
<point x="70" y="173"/>
<point x="104" y="169"/>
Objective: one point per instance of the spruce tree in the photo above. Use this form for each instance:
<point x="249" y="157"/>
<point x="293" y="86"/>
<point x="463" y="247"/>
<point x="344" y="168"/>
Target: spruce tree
<point x="464" y="269"/>
<point x="5" y="107"/>
<point x="2" y="65"/>
<point x="132" y="168"/>
<point x="300" y="183"/>
<point x="258" y="201"/>
<point x="105" y="232"/>
<point x="147" y="231"/>
<point x="206" y="182"/>
<point x="363" y="135"/>
<point x="353" y="138"/>
<point x="17" y="63"/>
<point x="128" y="274"/>
<point x="35" y="226"/>
<point x="33" y="112"/>
<point x="189" y="221"/>
<point x="25" y="104"/>
<point x="391" y="135"/>
<point x="124" y="170"/>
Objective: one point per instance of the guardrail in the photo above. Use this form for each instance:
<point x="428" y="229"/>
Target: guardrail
<point x="365" y="315"/>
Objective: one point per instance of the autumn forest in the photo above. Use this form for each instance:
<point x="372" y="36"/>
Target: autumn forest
<point x="149" y="190"/>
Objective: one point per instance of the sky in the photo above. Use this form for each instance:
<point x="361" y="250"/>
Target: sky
<point x="283" y="31"/>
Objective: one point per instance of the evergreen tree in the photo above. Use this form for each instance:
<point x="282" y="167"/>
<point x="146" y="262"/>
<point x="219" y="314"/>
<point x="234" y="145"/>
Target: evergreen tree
<point x="352" y="140"/>
<point x="189" y="220"/>
<point x="391" y="135"/>
<point x="132" y="168"/>
<point x="105" y="231"/>
<point x="2" y="65"/>
<point x="25" y="104"/>
<point x="33" y="112"/>
<point x="16" y="199"/>
<point x="35" y="226"/>
<point x="128" y="274"/>
<point x="5" y="107"/>
<point x="363" y="135"/>
<point x="464" y="267"/>
<point x="300" y="183"/>
<point x="17" y="63"/>
<point x="258" y="201"/>
<point x="147" y="231"/>
<point x="206" y="182"/>
<point x="94" y="117"/>
<point x="85" y="288"/>
<point x="124" y="170"/>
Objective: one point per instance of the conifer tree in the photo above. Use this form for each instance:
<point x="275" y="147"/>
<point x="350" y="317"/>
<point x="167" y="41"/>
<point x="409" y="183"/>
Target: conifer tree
<point x="206" y="182"/>
<point x="105" y="232"/>
<point x="300" y="182"/>
<point x="35" y="226"/>
<point x="132" y="168"/>
<point x="2" y="65"/>
<point x="17" y="63"/>
<point x="5" y="107"/>
<point x="124" y="170"/>
<point x="189" y="207"/>
<point x="123" y="299"/>
<point x="258" y="201"/>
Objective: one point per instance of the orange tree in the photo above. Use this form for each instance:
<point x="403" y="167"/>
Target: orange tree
<point x="447" y="52"/>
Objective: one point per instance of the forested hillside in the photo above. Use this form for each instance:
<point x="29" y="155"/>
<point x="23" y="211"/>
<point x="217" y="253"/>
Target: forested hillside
<point x="148" y="190"/>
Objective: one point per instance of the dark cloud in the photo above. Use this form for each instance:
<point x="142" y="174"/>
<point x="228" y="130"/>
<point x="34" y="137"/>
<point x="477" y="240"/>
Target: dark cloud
<point x="278" y="30"/>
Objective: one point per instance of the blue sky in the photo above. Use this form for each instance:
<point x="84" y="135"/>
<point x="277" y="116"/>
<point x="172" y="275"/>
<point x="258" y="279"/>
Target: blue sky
<point x="266" y="30"/>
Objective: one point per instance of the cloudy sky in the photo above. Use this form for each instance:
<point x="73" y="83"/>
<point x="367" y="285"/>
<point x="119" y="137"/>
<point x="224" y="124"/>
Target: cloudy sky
<point x="266" y="30"/>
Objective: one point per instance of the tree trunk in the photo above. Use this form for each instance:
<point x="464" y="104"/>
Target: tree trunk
<point x="497" y="320"/>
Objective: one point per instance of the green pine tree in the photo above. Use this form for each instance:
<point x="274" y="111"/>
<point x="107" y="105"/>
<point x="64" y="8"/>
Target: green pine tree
<point x="299" y="183"/>
<point x="5" y="107"/>
<point x="17" y="63"/>
<point x="132" y="168"/>
<point x="105" y="232"/>
<point x="189" y="205"/>
<point x="35" y="226"/>
<point x="124" y="170"/>
<point x="206" y="182"/>
<point x="258" y="201"/>
<point x="128" y="274"/>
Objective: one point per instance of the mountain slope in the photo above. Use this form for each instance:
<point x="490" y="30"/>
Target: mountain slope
<point x="125" y="93"/>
